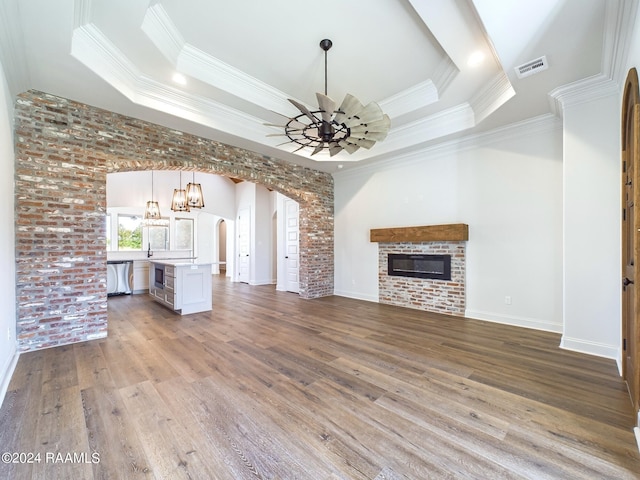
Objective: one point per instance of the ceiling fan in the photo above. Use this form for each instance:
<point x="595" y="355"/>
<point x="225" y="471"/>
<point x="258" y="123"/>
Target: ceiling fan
<point x="350" y="127"/>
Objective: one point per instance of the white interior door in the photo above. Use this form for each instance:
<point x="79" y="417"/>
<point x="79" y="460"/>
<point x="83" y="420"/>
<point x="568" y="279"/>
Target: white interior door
<point x="292" y="246"/>
<point x="244" y="244"/>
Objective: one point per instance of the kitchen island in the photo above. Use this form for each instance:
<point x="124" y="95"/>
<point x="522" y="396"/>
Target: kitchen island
<point x="181" y="285"/>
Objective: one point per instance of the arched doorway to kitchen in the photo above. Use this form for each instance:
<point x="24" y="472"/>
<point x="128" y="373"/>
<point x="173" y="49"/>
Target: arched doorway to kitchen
<point x="64" y="151"/>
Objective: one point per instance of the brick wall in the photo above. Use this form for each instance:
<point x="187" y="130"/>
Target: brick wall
<point x="64" y="151"/>
<point x="420" y="293"/>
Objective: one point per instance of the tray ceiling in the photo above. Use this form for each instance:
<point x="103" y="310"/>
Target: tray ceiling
<point x="439" y="69"/>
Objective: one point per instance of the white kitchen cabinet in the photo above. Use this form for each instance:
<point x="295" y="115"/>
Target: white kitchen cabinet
<point x="140" y="276"/>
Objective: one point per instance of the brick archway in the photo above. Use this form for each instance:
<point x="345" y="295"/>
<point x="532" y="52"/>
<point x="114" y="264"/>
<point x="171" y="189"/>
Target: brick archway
<point x="64" y="151"/>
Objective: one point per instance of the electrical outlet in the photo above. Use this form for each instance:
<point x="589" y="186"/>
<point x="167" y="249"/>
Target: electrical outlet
<point x="9" y="333"/>
<point x="507" y="300"/>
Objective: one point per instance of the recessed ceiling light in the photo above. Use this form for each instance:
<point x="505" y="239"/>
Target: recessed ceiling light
<point x="179" y="78"/>
<point x="475" y="59"/>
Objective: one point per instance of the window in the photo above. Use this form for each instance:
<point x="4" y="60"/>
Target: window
<point x="129" y="232"/>
<point x="159" y="237"/>
<point x="184" y="234"/>
<point x="108" y="231"/>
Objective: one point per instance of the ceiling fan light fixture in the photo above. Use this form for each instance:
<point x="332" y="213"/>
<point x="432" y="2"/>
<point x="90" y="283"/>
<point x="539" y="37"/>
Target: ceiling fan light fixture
<point x="349" y="127"/>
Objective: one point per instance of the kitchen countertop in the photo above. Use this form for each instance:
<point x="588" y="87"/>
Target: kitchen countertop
<point x="178" y="262"/>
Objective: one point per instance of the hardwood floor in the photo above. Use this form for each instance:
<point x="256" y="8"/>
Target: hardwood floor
<point x="269" y="386"/>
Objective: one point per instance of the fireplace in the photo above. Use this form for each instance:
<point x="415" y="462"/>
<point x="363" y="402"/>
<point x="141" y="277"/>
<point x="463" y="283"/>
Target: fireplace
<point x="436" y="267"/>
<point x="411" y="289"/>
<point x="423" y="267"/>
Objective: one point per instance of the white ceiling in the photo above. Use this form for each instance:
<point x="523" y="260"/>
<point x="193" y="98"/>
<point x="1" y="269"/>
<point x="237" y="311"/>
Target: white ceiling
<point x="243" y="59"/>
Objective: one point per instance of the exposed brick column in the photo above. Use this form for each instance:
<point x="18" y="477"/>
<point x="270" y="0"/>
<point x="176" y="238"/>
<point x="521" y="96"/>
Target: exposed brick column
<point x="64" y="151"/>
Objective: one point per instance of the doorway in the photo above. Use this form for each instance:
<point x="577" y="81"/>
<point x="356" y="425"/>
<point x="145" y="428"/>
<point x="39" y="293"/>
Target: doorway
<point x="630" y="145"/>
<point x="292" y="246"/>
<point x="222" y="247"/>
<point x="244" y="244"/>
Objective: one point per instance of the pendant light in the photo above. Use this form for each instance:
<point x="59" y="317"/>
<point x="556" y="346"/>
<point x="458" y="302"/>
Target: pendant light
<point x="152" y="212"/>
<point x="179" y="200"/>
<point x="195" y="199"/>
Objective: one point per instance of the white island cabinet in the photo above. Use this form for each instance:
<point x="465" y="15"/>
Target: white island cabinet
<point x="181" y="285"/>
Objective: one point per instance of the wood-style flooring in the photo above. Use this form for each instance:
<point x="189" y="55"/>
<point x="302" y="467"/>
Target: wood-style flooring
<point x="269" y="386"/>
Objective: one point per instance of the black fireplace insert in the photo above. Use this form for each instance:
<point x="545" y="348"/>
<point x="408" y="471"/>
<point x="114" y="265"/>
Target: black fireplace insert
<point x="419" y="266"/>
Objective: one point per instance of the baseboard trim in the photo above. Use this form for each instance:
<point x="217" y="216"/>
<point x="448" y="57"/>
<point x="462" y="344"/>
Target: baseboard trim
<point x="636" y="430"/>
<point x="534" y="323"/>
<point x="356" y="296"/>
<point x="591" y="348"/>
<point x="7" y="374"/>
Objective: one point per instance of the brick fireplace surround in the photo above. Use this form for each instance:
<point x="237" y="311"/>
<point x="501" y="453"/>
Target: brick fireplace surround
<point x="439" y="296"/>
<point x="64" y="151"/>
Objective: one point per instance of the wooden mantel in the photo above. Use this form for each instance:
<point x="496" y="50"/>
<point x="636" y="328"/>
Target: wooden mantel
<point x="455" y="232"/>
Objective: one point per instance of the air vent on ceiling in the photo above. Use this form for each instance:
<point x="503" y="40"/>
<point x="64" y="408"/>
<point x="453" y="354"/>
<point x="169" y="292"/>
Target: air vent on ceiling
<point x="532" y="67"/>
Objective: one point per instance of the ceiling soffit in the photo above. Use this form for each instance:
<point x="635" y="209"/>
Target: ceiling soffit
<point x="225" y="98"/>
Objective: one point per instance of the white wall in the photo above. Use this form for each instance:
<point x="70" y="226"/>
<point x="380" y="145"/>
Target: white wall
<point x="592" y="224"/>
<point x="506" y="185"/>
<point x="8" y="345"/>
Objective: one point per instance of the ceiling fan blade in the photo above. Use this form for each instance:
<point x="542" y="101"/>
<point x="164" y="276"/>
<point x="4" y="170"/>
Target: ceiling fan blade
<point x="304" y="110"/>
<point x="318" y="148"/>
<point x="327" y="105"/>
<point x="348" y="146"/>
<point x="299" y="148"/>
<point x="370" y="127"/>
<point x="350" y="105"/>
<point x="362" y="142"/>
<point x="381" y="125"/>
<point x="334" y="148"/>
<point x="370" y="113"/>
<point x="366" y="135"/>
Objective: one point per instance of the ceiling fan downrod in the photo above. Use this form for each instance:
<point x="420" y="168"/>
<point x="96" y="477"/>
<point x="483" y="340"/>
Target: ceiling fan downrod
<point x="325" y="45"/>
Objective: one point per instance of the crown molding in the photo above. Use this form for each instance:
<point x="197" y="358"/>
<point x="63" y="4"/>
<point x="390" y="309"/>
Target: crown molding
<point x="82" y="12"/>
<point x="618" y="31"/>
<point x="163" y="33"/>
<point x="444" y="75"/>
<point x="199" y="110"/>
<point x="420" y="95"/>
<point x="96" y="52"/>
<point x="538" y="125"/>
<point x="583" y="91"/>
<point x="91" y="47"/>
<point x="492" y="97"/>
<point x="204" y="67"/>
<point x="446" y="122"/>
